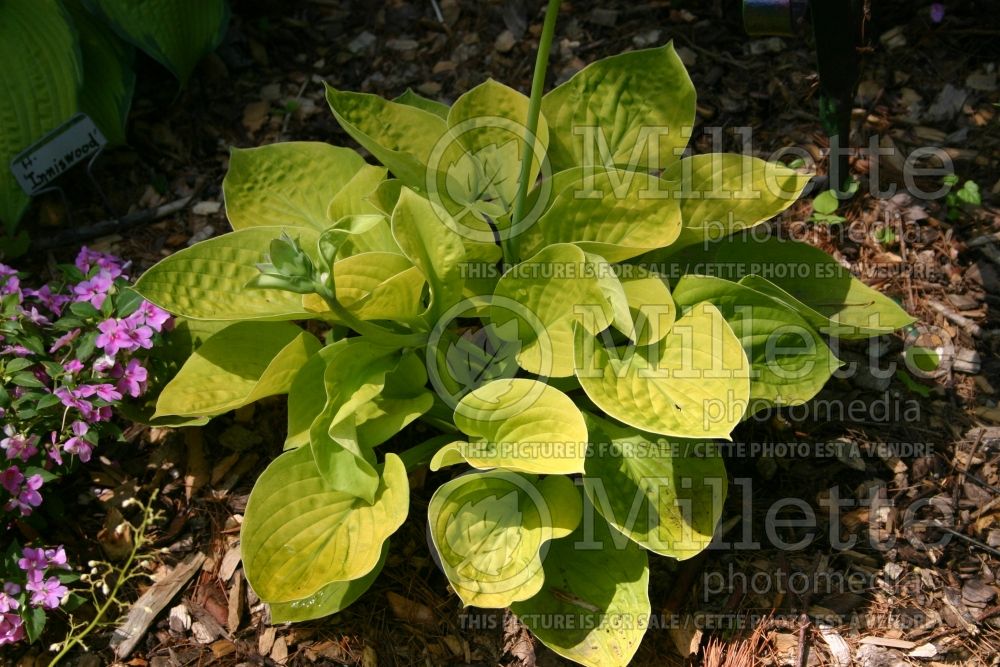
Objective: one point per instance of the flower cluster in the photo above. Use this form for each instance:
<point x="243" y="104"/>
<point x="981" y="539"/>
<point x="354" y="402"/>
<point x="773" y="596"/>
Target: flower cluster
<point x="70" y="350"/>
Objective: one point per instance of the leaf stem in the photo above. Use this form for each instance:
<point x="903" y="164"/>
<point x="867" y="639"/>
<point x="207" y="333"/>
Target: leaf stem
<point x="534" y="109"/>
<point x="376" y="333"/>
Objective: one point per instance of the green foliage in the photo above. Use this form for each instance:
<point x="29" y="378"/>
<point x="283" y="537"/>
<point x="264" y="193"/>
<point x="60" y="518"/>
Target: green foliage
<point x="967" y="195"/>
<point x="65" y="56"/>
<point x="575" y="388"/>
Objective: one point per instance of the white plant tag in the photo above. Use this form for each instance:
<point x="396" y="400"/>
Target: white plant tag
<point x="37" y="166"/>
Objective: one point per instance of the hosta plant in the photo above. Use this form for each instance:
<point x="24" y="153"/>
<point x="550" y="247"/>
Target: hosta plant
<point x="504" y="277"/>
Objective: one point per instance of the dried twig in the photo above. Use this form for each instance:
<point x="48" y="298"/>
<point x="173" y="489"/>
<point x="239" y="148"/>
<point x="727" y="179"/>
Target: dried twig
<point x="106" y="227"/>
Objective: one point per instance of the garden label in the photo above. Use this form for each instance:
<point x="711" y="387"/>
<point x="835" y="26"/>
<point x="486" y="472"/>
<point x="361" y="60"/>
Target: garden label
<point x="48" y="158"/>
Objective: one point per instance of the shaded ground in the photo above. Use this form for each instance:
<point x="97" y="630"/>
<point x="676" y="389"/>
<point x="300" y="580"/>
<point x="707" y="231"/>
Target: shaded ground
<point x="264" y="85"/>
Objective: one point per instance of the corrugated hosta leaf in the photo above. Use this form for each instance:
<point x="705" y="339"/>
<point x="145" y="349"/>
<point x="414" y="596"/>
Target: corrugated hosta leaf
<point x="694" y="383"/>
<point x="490" y="529"/>
<point x="241" y="364"/>
<point x="177" y="33"/>
<point x="290" y="184"/>
<point x="666" y="495"/>
<point x="108" y="73"/>
<point x="208" y="281"/>
<point x="521" y="425"/>
<point x="39" y="78"/>
<point x="614" y="110"/>
<point x="299" y="536"/>
<point x="597" y="586"/>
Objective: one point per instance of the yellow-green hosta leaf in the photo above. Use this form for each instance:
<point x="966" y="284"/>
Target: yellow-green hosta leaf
<point x="400" y="136"/>
<point x="488" y="121"/>
<point x="413" y="99"/>
<point x="299" y="536"/>
<point x="39" y="78"/>
<point x="241" y="364"/>
<point x="721" y="193"/>
<point x="307" y="397"/>
<point x="177" y="33"/>
<point x="208" y="281"/>
<point x="108" y="73"/>
<point x="634" y="110"/>
<point x="613" y="213"/>
<point x="356" y="195"/>
<point x="789" y="362"/>
<point x="386" y="195"/>
<point x="547" y="296"/>
<point x="288" y="184"/>
<point x="368" y="232"/>
<point x="650" y="304"/>
<point x="666" y="495"/>
<point x="598" y="588"/>
<point x="490" y="530"/>
<point x="692" y="384"/>
<point x="330" y="599"/>
<point x="522" y="425"/>
<point x="419" y="228"/>
<point x="375" y="286"/>
<point x="813" y="283"/>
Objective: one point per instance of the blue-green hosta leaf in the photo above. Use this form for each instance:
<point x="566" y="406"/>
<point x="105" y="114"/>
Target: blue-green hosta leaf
<point x="598" y="589"/>
<point x="299" y="535"/>
<point x="721" y="193"/>
<point x="813" y="283"/>
<point x="521" y="425"/>
<point x="790" y="363"/>
<point x="488" y="121"/>
<point x="694" y="383"/>
<point x="665" y="495"/>
<point x="490" y="530"/>
<point x="355" y="198"/>
<point x="613" y="213"/>
<point x="419" y="228"/>
<point x="243" y="363"/>
<point x="108" y="73"/>
<point x="288" y="184"/>
<point x="400" y="136"/>
<point x="177" y="33"/>
<point x="548" y="295"/>
<point x="330" y="599"/>
<point x="413" y="99"/>
<point x="634" y="110"/>
<point x="208" y="281"/>
<point x="40" y="75"/>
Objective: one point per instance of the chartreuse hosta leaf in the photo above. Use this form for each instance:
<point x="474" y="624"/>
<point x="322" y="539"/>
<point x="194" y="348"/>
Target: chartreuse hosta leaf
<point x="490" y="530"/>
<point x="597" y="587"/>
<point x="548" y="295"/>
<point x="288" y="184"/>
<point x="419" y="228"/>
<point x="650" y="304"/>
<point x="521" y="425"/>
<point x="666" y="495"/>
<point x="375" y="286"/>
<point x="488" y="121"/>
<point x="177" y="33"/>
<point x="790" y="363"/>
<point x="811" y="282"/>
<point x="694" y="383"/>
<point x="330" y="599"/>
<point x="413" y="99"/>
<point x="40" y="75"/>
<point x="208" y="281"/>
<point x="241" y="364"/>
<point x="634" y="110"/>
<point x="721" y="193"/>
<point x="355" y="197"/>
<point x="299" y="536"/>
<point x="108" y="73"/>
<point x="400" y="136"/>
<point x="613" y="213"/>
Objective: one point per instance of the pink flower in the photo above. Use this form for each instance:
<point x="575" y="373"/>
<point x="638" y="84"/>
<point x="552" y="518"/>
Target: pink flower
<point x="152" y="316"/>
<point x="16" y="350"/>
<point x="57" y="558"/>
<point x="114" y="336"/>
<point x="29" y="496"/>
<point x="103" y="363"/>
<point x="34" y="316"/>
<point x="87" y="259"/>
<point x="105" y="392"/>
<point x="11" y="479"/>
<point x="45" y="593"/>
<point x="54" y="302"/>
<point x="73" y="366"/>
<point x="77" y="444"/>
<point x="937" y="12"/>
<point x="11" y="629"/>
<point x="95" y="290"/>
<point x="132" y="378"/>
<point x="8" y="603"/>
<point x="33" y="559"/>
<point x="71" y="399"/>
<point x="64" y="340"/>
<point x="18" y="445"/>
